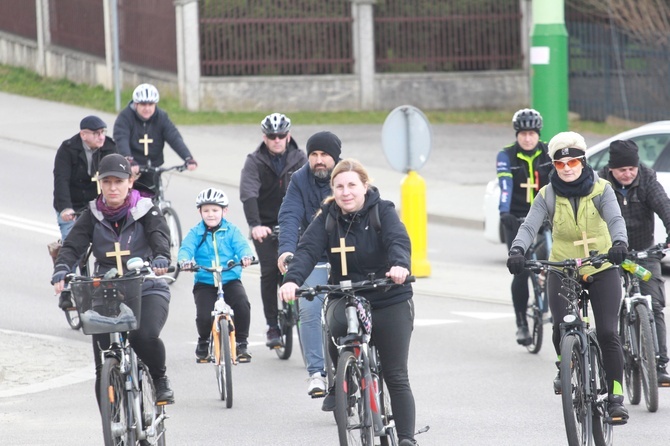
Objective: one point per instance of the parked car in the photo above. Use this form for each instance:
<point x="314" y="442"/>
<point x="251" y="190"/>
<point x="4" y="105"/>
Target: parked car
<point x="654" y="142"/>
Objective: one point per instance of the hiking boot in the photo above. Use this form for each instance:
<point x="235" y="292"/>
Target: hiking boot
<point x="408" y="442"/>
<point x="65" y="300"/>
<point x="317" y="385"/>
<point x="662" y="376"/>
<point x="523" y="336"/>
<point x="243" y="354"/>
<point x="202" y="350"/>
<point x="617" y="413"/>
<point x="164" y="394"/>
<point x="274" y="337"/>
<point x="329" y="401"/>
<point x="557" y="379"/>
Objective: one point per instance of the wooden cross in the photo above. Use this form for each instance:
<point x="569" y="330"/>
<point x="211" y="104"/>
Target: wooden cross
<point x="343" y="250"/>
<point x="118" y="253"/>
<point x="529" y="186"/>
<point x="97" y="182"/>
<point x="146" y="142"/>
<point x="585" y="241"/>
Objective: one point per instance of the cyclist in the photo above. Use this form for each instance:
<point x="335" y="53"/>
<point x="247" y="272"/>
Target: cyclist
<point x="141" y="131"/>
<point x="640" y="196"/>
<point x="523" y="168"/>
<point x="75" y="182"/>
<point x="264" y="179"/>
<point x="216" y="241"/>
<point x="309" y="186"/>
<point x="383" y="253"/>
<point x="120" y="224"/>
<point x="585" y="216"/>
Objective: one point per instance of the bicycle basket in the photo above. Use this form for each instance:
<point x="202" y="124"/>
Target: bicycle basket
<point x="108" y="305"/>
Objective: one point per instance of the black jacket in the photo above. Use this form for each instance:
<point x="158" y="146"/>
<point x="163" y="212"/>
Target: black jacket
<point x="129" y="128"/>
<point x="261" y="189"/>
<point x="73" y="187"/>
<point x="374" y="252"/>
<point x="644" y="198"/>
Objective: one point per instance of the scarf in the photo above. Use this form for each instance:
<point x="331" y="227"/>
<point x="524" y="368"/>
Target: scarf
<point x="578" y="188"/>
<point x="116" y="214"/>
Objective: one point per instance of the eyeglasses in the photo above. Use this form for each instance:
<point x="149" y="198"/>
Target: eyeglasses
<point x="98" y="133"/>
<point x="571" y="163"/>
<point x="276" y="135"/>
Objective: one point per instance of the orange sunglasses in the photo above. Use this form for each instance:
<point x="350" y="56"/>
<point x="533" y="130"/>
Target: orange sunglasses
<point x="571" y="163"/>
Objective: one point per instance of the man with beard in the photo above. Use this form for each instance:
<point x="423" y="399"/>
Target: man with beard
<point x="309" y="186"/>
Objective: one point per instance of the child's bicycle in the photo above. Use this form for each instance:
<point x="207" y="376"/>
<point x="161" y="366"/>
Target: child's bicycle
<point x="127" y="397"/>
<point x="362" y="408"/>
<point x="222" y="343"/>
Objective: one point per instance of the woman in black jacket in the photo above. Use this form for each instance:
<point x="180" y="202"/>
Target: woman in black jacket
<point x="118" y="225"/>
<point x="383" y="251"/>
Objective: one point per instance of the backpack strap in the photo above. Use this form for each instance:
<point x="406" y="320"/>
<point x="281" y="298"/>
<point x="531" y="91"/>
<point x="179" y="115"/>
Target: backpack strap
<point x="550" y="199"/>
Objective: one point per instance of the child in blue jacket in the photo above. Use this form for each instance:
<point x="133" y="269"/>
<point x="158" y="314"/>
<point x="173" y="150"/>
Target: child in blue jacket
<point x="215" y="241"/>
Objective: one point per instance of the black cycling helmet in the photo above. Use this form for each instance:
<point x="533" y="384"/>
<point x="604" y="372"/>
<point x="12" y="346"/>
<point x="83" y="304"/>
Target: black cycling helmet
<point x="276" y="123"/>
<point x="527" y="119"/>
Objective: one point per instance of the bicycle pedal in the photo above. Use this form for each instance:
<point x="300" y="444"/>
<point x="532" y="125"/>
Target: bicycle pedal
<point x="164" y="403"/>
<point x="664" y="385"/>
<point x="615" y="421"/>
<point x="203" y="360"/>
<point x="316" y="395"/>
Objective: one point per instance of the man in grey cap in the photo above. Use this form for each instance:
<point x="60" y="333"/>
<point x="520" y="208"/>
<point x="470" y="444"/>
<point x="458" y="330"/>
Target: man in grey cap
<point x="75" y="169"/>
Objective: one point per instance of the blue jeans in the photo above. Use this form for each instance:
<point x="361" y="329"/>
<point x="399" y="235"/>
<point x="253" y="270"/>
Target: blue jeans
<point x="311" y="334"/>
<point x="65" y="226"/>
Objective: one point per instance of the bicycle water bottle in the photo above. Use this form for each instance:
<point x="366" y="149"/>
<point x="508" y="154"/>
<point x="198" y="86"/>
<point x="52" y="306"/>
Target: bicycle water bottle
<point x="634" y="268"/>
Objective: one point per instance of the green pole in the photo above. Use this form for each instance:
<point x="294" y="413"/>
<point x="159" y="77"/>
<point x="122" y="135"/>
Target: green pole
<point x="549" y="66"/>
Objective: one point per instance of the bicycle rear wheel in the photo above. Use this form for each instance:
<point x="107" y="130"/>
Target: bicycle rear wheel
<point x="576" y="407"/>
<point x="286" y="327"/>
<point x="175" y="236"/>
<point x="224" y="363"/>
<point x="149" y="410"/>
<point x="72" y="315"/>
<point x="603" y="433"/>
<point x="631" y="368"/>
<point x="388" y="437"/>
<point x="351" y="411"/>
<point x="647" y="358"/>
<point x="114" y="406"/>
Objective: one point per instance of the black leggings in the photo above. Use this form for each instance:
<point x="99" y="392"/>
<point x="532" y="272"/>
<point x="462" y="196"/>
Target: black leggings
<point x="605" y="296"/>
<point x="270" y="277"/>
<point x="234" y="295"/>
<point x="391" y="332"/>
<point x="145" y="341"/>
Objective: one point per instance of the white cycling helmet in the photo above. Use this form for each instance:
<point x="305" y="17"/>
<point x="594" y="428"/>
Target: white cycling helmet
<point x="276" y="123"/>
<point x="146" y="93"/>
<point x="211" y="196"/>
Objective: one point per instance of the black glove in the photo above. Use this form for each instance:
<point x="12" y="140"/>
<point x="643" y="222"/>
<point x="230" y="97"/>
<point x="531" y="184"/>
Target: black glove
<point x="516" y="261"/>
<point x="508" y="220"/>
<point x="618" y="252"/>
<point x="160" y="262"/>
<point x="59" y="274"/>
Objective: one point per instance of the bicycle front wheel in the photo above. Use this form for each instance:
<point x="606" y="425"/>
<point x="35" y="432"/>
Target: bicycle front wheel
<point x="647" y="358"/>
<point x="224" y="363"/>
<point x="175" y="236"/>
<point x="352" y="414"/>
<point x="631" y="364"/>
<point x="536" y="326"/>
<point x="576" y="406"/>
<point x="286" y="327"/>
<point x="114" y="406"/>
<point x="603" y="432"/>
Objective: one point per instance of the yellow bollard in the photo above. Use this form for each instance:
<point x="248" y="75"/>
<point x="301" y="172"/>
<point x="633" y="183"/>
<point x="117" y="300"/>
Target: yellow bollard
<point x="413" y="214"/>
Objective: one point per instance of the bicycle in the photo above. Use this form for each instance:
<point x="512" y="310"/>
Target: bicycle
<point x="583" y="385"/>
<point x="638" y="337"/>
<point x="537" y="310"/>
<point x="287" y="317"/>
<point x="362" y="409"/>
<point x="130" y="413"/>
<point x="166" y="208"/>
<point x="222" y="343"/>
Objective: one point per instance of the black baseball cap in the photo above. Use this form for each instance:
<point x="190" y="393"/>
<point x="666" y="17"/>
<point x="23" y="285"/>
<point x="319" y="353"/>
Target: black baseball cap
<point x="114" y="165"/>
<point x="92" y="123"/>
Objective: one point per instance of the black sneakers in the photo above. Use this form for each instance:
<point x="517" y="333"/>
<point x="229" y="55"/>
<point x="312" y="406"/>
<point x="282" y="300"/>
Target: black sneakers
<point x="662" y="376"/>
<point x="202" y="350"/>
<point x="329" y="401"/>
<point x="243" y="354"/>
<point x="274" y="337"/>
<point x="408" y="442"/>
<point x="557" y="379"/>
<point x="164" y="394"/>
<point x="65" y="300"/>
<point x="618" y="414"/>
<point x="523" y="336"/>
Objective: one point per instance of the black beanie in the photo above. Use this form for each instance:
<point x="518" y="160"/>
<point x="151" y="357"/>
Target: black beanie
<point x="623" y="154"/>
<point x="325" y="142"/>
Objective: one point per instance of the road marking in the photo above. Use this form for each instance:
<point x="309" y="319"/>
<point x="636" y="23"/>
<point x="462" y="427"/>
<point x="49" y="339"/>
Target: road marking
<point x="483" y="316"/>
<point x="29" y="225"/>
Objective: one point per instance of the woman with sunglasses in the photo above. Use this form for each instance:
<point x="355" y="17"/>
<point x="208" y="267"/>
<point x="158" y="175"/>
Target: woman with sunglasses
<point x="585" y="216"/>
<point x="265" y="177"/>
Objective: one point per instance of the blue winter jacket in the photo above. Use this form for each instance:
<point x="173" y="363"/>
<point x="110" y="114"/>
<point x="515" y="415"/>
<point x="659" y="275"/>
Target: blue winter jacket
<point x="224" y="244"/>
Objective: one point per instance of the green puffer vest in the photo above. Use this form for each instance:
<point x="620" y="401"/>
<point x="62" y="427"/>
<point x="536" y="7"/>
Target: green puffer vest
<point x="568" y="232"/>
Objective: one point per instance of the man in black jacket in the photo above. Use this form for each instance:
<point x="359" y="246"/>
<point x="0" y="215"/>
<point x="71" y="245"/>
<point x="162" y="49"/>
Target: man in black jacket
<point x="75" y="170"/>
<point x="265" y="177"/>
<point x="640" y="196"/>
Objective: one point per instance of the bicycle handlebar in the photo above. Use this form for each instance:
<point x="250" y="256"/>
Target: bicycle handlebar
<point x="219" y="269"/>
<point x="660" y="249"/>
<point x="159" y="170"/>
<point x="145" y="270"/>
<point x="349" y="287"/>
